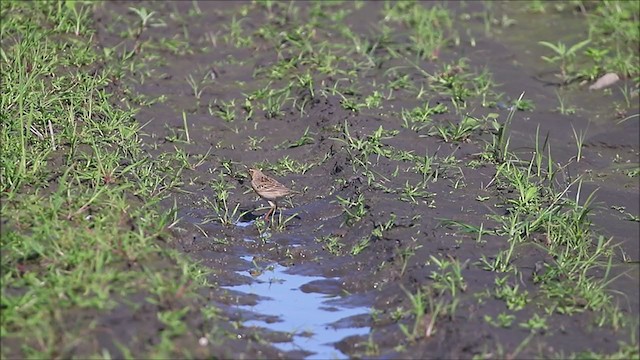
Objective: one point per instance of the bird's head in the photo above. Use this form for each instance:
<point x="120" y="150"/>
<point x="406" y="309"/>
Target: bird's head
<point x="253" y="172"/>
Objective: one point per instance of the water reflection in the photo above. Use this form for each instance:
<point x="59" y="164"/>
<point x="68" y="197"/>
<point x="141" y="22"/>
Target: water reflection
<point x="308" y="316"/>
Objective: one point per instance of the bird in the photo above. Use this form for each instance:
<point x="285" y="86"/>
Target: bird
<point x="268" y="188"/>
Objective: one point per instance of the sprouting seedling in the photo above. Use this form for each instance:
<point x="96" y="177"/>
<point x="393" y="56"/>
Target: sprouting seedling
<point x="144" y="16"/>
<point x="563" y="108"/>
<point x="225" y="214"/>
<point x="503" y="136"/>
<point x="305" y="81"/>
<point x="354" y="208"/>
<point x="579" y="138"/>
<point x="79" y="15"/>
<point x="563" y="55"/>
<point x="225" y="110"/>
<point x="195" y="87"/>
<point x="279" y="223"/>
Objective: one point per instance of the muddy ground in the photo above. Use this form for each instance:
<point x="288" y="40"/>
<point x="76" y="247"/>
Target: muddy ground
<point x="398" y="259"/>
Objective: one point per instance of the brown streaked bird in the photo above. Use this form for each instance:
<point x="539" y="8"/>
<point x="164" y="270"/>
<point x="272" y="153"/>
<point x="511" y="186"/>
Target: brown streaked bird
<point x="269" y="189"/>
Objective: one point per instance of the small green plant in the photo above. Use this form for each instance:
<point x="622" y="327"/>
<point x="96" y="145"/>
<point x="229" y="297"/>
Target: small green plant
<point x="500" y="140"/>
<point x="332" y="244"/>
<point x="275" y="102"/>
<point x="503" y="320"/>
<point x="448" y="276"/>
<point x="406" y="254"/>
<point x="501" y="262"/>
<point x="254" y="142"/>
<point x="425" y="166"/>
<point x="262" y="226"/>
<point x="379" y="229"/>
<point x="373" y="101"/>
<point x="483" y="85"/>
<point x="350" y="104"/>
<point x="225" y="214"/>
<point x="360" y="149"/>
<point x="579" y="138"/>
<point x="564" y="57"/>
<point x="225" y="110"/>
<point x="536" y="323"/>
<point x="453" y="81"/>
<point x="279" y="222"/>
<point x="514" y="299"/>
<point x="419" y="310"/>
<point x="411" y="193"/>
<point x="145" y="18"/>
<point x="429" y="26"/>
<point x="459" y="132"/>
<point x="360" y="245"/>
<point x="354" y="208"/>
<point x="525" y="105"/>
<point x="196" y="87"/>
<point x="427" y="308"/>
<point x="420" y="117"/>
<point x="235" y="34"/>
<point x="562" y="107"/>
<point x="305" y="139"/>
<point x="371" y="347"/>
<point x="288" y="165"/>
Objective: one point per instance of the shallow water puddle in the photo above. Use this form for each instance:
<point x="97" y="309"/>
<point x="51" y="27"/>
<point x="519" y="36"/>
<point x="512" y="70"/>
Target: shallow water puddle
<point x="243" y="224"/>
<point x="306" y="315"/>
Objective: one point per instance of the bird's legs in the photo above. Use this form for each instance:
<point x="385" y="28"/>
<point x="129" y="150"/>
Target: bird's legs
<point x="274" y="206"/>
